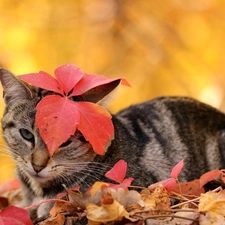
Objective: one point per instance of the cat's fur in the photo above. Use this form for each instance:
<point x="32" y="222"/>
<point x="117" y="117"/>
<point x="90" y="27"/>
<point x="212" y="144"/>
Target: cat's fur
<point x="152" y="137"/>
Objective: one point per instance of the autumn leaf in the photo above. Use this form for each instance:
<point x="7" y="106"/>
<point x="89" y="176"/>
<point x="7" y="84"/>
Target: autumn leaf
<point x="90" y="81"/>
<point x="14" y="215"/>
<point x="68" y="76"/>
<point x="118" y="172"/>
<point x="50" y="119"/>
<point x="110" y="210"/>
<point x="96" y="125"/>
<point x="58" y="116"/>
<point x="170" y="184"/>
<point x="209" y="176"/>
<point x="189" y="188"/>
<point x="43" y="80"/>
<point x="177" y="169"/>
<point x="213" y="202"/>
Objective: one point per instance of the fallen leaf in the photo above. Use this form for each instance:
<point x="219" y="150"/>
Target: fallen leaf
<point x="211" y="218"/>
<point x="189" y="188"/>
<point x="14" y="216"/>
<point x="213" y="202"/>
<point x="113" y="211"/>
<point x="176" y="169"/>
<point x="58" y="219"/>
<point x="209" y="176"/>
<point x="118" y="172"/>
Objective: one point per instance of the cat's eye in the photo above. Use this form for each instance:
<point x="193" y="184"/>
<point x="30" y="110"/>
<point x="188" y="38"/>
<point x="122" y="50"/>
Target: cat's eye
<point x="27" y="135"/>
<point x="64" y="144"/>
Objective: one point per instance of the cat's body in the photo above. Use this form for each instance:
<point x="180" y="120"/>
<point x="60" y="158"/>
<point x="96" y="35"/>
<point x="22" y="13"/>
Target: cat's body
<point x="151" y="137"/>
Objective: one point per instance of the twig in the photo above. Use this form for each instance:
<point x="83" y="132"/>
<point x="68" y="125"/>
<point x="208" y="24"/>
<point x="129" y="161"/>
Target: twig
<point x="44" y="201"/>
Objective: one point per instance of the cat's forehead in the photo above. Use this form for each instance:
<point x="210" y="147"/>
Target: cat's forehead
<point x="23" y="108"/>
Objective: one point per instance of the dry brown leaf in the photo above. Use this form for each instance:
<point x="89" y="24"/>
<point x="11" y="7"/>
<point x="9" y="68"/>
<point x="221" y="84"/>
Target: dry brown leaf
<point x="59" y="219"/>
<point x="213" y="202"/>
<point x="211" y="218"/>
<point x="111" y="210"/>
<point x="63" y="207"/>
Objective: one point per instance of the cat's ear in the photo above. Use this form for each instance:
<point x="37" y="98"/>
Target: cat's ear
<point x="13" y="88"/>
<point x="100" y="94"/>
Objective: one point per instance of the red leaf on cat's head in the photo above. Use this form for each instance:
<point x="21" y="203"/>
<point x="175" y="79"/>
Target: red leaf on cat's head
<point x="68" y="76"/>
<point x="96" y="125"/>
<point x="14" y="215"/>
<point x="58" y="116"/>
<point x="43" y="80"/>
<point x="57" y="119"/>
<point x="90" y="81"/>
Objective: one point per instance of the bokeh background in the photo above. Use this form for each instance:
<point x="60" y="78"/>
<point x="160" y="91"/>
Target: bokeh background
<point x="163" y="47"/>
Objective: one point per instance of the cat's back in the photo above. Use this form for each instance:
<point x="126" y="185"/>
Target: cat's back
<point x="165" y="130"/>
<point x="181" y="110"/>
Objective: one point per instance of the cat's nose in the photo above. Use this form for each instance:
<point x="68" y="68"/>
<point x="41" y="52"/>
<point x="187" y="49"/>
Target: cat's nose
<point x="38" y="168"/>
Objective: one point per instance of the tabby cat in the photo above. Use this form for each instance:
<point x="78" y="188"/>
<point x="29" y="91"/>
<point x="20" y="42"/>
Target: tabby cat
<point x="152" y="137"/>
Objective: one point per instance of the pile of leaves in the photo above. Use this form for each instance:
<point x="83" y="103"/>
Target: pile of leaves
<point x="166" y="202"/>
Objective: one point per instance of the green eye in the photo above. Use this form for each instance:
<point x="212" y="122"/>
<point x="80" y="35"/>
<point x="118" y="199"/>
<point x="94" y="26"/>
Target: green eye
<point x="27" y="135"/>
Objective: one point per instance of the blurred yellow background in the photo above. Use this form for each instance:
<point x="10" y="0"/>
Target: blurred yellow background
<point x="163" y="47"/>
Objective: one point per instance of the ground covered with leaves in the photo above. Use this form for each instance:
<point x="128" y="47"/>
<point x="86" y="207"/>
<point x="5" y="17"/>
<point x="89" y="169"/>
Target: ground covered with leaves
<point x="201" y="201"/>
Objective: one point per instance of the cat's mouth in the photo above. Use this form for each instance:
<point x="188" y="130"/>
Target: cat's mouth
<point x="41" y="176"/>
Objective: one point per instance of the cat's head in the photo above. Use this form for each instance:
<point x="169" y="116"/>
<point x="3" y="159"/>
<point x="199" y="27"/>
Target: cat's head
<point x="24" y="141"/>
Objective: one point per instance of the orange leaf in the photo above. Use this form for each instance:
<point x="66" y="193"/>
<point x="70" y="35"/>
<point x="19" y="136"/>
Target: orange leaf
<point x="96" y="125"/>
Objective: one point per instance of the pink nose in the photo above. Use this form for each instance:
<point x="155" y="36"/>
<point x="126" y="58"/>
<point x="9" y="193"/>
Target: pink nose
<point x="38" y="168"/>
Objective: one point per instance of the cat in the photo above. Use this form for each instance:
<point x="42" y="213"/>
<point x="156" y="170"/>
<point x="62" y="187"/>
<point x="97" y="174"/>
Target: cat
<point x="151" y="137"/>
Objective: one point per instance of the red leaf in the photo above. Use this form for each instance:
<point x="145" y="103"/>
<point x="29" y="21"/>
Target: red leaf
<point x="118" y="172"/>
<point x="90" y="81"/>
<point x="9" y="185"/>
<point x="96" y="125"/>
<point x="68" y="75"/>
<point x="209" y="176"/>
<point x="125" y="184"/>
<point x="57" y="119"/>
<point x="169" y="184"/>
<point x="42" y="80"/>
<point x="176" y="169"/>
<point x="189" y="188"/>
<point x="14" y="216"/>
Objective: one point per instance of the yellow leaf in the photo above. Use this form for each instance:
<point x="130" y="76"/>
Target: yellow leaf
<point x="96" y="187"/>
<point x="105" y="213"/>
<point x="213" y="202"/>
